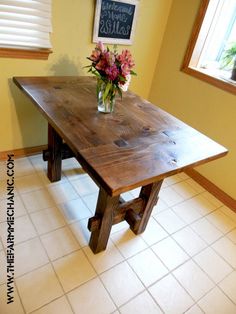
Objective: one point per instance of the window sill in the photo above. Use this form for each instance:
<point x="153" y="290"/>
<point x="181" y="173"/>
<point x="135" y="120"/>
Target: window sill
<point x="218" y="81"/>
<point x="41" y="54"/>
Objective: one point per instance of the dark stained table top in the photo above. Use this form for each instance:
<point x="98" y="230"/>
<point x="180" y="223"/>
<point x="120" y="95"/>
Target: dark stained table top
<point x="137" y="144"/>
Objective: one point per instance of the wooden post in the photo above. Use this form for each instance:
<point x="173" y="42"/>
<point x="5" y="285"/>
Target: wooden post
<point x="149" y="194"/>
<point x="55" y="154"/>
<point x="106" y="206"/>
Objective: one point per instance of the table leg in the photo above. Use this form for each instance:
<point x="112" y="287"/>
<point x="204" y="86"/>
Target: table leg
<point x="106" y="206"/>
<point x="112" y="210"/>
<point x="149" y="194"/>
<point x="55" y="154"/>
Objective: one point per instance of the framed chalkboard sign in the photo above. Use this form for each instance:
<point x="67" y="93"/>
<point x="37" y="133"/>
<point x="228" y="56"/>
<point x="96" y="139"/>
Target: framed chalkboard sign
<point x="115" y="21"/>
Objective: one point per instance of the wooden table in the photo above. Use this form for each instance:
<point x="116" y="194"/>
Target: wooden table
<point x="137" y="145"/>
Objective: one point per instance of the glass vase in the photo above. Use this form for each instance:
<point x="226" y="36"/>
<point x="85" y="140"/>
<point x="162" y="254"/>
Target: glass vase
<point x="106" y="103"/>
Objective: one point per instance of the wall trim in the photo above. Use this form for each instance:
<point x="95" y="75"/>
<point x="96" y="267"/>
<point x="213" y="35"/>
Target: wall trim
<point x="194" y="174"/>
<point x="212" y="188"/>
<point x="23" y="152"/>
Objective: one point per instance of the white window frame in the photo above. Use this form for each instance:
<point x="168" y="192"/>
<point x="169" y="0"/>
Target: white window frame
<point x="196" y="46"/>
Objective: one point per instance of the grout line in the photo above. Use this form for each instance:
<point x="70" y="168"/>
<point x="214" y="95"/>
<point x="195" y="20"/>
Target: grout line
<point x="38" y="236"/>
<point x="126" y="259"/>
<point x="55" y="273"/>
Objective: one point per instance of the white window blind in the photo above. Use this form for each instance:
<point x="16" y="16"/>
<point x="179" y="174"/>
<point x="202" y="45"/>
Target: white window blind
<point x="25" y="24"/>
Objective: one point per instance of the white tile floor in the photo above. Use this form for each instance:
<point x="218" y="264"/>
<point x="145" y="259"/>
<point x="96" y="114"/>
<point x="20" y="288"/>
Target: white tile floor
<point x="185" y="262"/>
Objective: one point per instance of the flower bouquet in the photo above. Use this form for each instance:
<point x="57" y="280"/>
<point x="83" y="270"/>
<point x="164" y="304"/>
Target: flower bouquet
<point x="113" y="71"/>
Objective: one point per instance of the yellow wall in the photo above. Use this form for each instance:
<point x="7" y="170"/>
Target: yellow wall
<point x="20" y="123"/>
<point x="205" y="107"/>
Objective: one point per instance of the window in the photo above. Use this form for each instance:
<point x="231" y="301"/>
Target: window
<point x="25" y="27"/>
<point x="213" y="37"/>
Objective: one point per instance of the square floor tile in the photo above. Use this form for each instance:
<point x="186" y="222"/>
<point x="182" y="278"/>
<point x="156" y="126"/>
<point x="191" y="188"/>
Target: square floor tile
<point x="183" y="176"/>
<point x="141" y="304"/>
<point x="201" y="204"/>
<point x="38" y="288"/>
<point x="120" y="226"/>
<point x="47" y="183"/>
<point x="159" y="207"/>
<point x="228" y="285"/>
<point x="206" y="230"/>
<point x="62" y="192"/>
<point x="229" y="212"/>
<point x="3" y="189"/>
<point x="91" y="201"/>
<point x="215" y="302"/>
<point x="195" y="309"/>
<point x="70" y="162"/>
<point x="232" y="236"/>
<point x="189" y="241"/>
<point x="221" y="221"/>
<point x="184" y="189"/>
<point x="128" y="243"/>
<point x="227" y="250"/>
<point x="212" y="199"/>
<point x="74" y="210"/>
<point x="28" y="183"/>
<point x="73" y="270"/>
<point x="36" y="200"/>
<point x="173" y="179"/>
<point x="170" y="221"/>
<point x="135" y="192"/>
<point x="154" y="232"/>
<point x="193" y="279"/>
<point x="122" y="283"/>
<point x="21" y="224"/>
<point x="3" y="269"/>
<point x="105" y="259"/>
<point x="59" y="242"/>
<point x="23" y="167"/>
<point x="186" y="212"/>
<point x="170" y="253"/>
<point x="29" y="255"/>
<point x="85" y="186"/>
<point x="148" y="267"/>
<point x="216" y="268"/>
<point x="74" y="173"/>
<point x="59" y="306"/>
<point x="170" y="196"/>
<point x="127" y="196"/>
<point x="197" y="187"/>
<point x="91" y="298"/>
<point x="38" y="163"/>
<point x="11" y="308"/>
<point x="46" y="220"/>
<point x="19" y="209"/>
<point x="81" y="232"/>
<point x="171" y="297"/>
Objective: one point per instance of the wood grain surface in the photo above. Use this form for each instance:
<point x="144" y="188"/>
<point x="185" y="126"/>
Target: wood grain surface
<point x="136" y="145"/>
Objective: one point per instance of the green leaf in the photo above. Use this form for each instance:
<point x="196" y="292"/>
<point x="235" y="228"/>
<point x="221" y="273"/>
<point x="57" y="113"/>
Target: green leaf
<point x="119" y="92"/>
<point x="133" y="73"/>
<point x="107" y="89"/>
<point x="121" y="78"/>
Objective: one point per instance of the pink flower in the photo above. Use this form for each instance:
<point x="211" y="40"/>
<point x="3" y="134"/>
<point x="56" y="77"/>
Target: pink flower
<point x="112" y="72"/>
<point x="125" y="69"/>
<point x="101" y="65"/>
<point x="110" y="57"/>
<point x="95" y="55"/>
<point x="100" y="46"/>
<point x="125" y="59"/>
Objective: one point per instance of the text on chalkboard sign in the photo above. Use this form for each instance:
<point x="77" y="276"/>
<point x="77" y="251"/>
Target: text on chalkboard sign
<point x="115" y="21"/>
